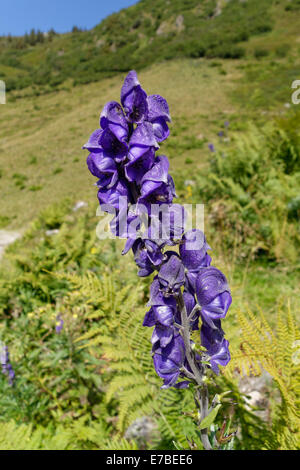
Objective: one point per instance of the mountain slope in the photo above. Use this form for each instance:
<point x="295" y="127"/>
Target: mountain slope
<point x="150" y="31"/>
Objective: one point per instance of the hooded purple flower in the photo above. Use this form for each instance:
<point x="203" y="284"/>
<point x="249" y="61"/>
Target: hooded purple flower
<point x="106" y="142"/>
<point x="162" y="309"/>
<point x="134" y="99"/>
<point x="136" y="168"/>
<point x="147" y="255"/>
<point x="193" y="250"/>
<point x="216" y="345"/>
<point x="213" y="294"/>
<point x="157" y="186"/>
<point x="111" y="196"/>
<point x="162" y="336"/>
<point x="103" y="168"/>
<point x="113" y="118"/>
<point x="159" y="115"/>
<point x="142" y="140"/>
<point x="169" y="360"/>
<point x="171" y="275"/>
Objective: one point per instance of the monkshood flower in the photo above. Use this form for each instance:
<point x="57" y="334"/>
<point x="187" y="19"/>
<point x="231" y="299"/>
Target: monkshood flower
<point x="7" y="368"/>
<point x="185" y="286"/>
<point x="169" y="360"/>
<point x="216" y="345"/>
<point x="193" y="251"/>
<point x="140" y="108"/>
<point x="213" y="294"/>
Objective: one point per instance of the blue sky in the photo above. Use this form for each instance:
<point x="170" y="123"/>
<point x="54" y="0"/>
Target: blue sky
<point x="19" y="16"/>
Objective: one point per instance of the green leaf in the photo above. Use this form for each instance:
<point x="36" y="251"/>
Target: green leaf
<point x="208" y="420"/>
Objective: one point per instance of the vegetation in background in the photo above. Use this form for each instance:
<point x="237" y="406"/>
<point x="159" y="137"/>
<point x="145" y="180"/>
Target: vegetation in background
<point x="134" y="38"/>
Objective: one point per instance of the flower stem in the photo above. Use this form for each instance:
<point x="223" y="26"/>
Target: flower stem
<point x="202" y="391"/>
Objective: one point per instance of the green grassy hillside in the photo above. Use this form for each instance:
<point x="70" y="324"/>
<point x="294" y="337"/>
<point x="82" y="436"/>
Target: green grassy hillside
<point x="150" y="31"/>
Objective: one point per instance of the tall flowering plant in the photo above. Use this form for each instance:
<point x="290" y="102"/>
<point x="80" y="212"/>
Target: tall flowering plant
<point x="186" y="291"/>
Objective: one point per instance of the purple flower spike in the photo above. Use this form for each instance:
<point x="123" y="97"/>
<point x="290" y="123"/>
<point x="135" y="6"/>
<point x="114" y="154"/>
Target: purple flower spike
<point x="171" y="275"/>
<point x="112" y="117"/>
<point x="134" y="99"/>
<point x="193" y="250"/>
<point x="135" y="186"/>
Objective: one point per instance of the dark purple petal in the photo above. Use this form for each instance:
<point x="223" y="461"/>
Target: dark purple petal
<point x="149" y="319"/>
<point x="157" y="298"/>
<point x="112" y="117"/>
<point x="159" y="172"/>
